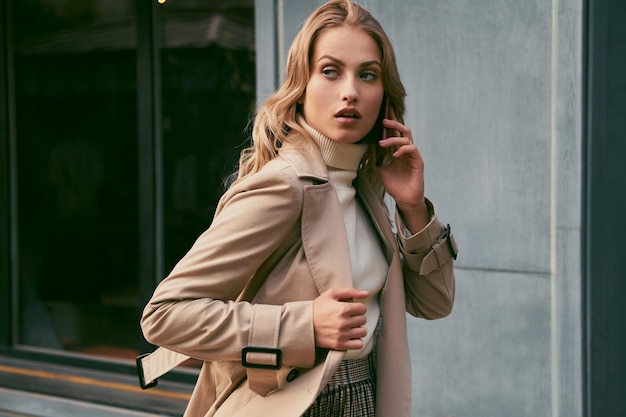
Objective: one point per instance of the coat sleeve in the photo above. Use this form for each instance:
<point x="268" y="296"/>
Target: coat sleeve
<point x="428" y="268"/>
<point x="193" y="311"/>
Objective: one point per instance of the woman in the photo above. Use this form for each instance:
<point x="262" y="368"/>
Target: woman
<point x="296" y="296"/>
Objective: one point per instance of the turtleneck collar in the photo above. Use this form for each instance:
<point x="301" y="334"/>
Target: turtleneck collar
<point x="338" y="155"/>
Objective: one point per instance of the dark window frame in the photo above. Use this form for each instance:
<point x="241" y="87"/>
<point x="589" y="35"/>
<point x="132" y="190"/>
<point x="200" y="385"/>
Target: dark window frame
<point x="604" y="227"/>
<point x="149" y="217"/>
<point x="7" y="181"/>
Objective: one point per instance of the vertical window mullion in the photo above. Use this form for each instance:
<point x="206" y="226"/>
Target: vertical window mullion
<point x="150" y="148"/>
<point x="8" y="221"/>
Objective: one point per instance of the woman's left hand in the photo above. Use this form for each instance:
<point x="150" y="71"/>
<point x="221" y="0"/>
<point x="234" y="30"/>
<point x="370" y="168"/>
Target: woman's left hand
<point x="403" y="176"/>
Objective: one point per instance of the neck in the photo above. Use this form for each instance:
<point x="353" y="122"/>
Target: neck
<point x="338" y="155"/>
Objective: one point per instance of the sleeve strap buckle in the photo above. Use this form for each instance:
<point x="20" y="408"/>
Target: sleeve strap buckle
<point x="255" y="357"/>
<point x="454" y="250"/>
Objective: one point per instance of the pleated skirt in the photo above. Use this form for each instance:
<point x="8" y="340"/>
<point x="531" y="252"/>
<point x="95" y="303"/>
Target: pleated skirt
<point x="351" y="391"/>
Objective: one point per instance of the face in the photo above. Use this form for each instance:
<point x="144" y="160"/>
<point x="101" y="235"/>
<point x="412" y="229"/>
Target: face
<point x="345" y="90"/>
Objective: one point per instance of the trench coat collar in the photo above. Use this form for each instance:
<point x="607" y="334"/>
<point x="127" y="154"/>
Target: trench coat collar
<point x="305" y="157"/>
<point x="327" y="250"/>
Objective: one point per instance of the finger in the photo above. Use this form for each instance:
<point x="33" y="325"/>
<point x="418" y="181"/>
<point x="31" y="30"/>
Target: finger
<point x="354" y="310"/>
<point x="397" y="126"/>
<point x="402" y="142"/>
<point x="401" y="139"/>
<point x="406" y="149"/>
<point x="357" y="333"/>
<point x="346" y="294"/>
<point x="357" y="321"/>
<point x="353" y="344"/>
<point x="353" y="336"/>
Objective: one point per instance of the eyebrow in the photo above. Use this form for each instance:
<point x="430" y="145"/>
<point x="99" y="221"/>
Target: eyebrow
<point x="341" y="63"/>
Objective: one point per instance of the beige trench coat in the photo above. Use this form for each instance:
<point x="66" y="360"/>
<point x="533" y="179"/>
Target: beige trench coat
<point x="284" y="226"/>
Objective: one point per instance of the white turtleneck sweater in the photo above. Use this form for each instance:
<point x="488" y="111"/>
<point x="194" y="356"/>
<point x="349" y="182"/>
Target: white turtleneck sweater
<point x="369" y="266"/>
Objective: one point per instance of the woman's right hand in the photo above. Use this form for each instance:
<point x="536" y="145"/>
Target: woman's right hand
<point x="338" y="321"/>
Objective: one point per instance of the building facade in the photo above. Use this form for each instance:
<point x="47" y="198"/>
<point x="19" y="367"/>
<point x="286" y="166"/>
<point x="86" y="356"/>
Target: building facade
<point x="118" y="121"/>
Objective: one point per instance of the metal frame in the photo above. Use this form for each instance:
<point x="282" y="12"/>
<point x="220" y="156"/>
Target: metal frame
<point x="8" y="186"/>
<point x="604" y="206"/>
<point x="150" y="147"/>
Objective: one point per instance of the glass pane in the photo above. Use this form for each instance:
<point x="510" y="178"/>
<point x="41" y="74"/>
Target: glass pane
<point x="208" y="79"/>
<point x="76" y="129"/>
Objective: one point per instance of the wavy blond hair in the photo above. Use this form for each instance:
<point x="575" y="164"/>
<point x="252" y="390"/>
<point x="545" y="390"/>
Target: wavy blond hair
<point x="276" y="117"/>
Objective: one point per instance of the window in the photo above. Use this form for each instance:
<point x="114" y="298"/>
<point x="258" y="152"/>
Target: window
<point x="77" y="182"/>
<point x="80" y="130"/>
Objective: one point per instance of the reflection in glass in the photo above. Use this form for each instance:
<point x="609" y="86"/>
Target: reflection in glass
<point x="208" y="76"/>
<point x="75" y="74"/>
<point x="75" y="66"/>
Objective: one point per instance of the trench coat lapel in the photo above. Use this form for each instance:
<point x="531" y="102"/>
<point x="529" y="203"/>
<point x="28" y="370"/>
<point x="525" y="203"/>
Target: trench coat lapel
<point x="326" y="248"/>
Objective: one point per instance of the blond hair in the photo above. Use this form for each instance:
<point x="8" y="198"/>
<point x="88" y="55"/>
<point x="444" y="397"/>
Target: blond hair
<point x="276" y="117"/>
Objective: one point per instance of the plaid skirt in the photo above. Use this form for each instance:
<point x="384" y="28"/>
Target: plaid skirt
<point x="351" y="391"/>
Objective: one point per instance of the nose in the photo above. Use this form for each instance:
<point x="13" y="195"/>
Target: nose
<point x="350" y="91"/>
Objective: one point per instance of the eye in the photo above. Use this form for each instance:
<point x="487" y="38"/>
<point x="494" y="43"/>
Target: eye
<point x="330" y="72"/>
<point x="369" y="75"/>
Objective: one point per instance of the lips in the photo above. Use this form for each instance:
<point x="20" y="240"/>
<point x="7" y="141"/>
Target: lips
<point x="348" y="115"/>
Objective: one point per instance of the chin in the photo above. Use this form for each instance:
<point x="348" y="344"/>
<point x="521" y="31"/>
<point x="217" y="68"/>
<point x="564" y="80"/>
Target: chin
<point x="347" y="137"/>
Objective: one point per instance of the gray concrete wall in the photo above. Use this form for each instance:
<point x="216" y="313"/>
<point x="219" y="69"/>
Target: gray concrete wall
<point x="495" y="107"/>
